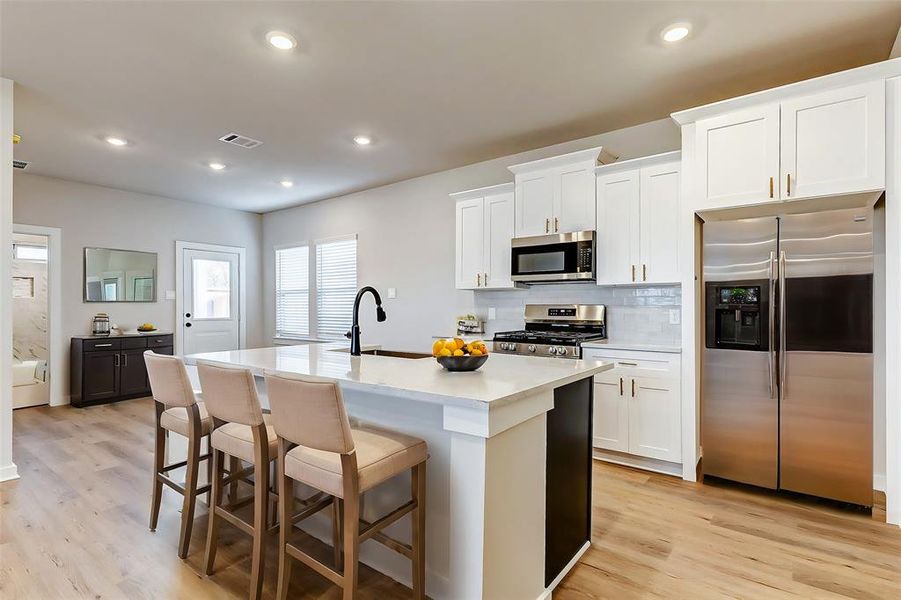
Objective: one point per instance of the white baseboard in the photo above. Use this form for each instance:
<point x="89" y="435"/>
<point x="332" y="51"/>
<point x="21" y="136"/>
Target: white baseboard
<point x="638" y="462"/>
<point x="549" y="591"/>
<point x="9" y="472"/>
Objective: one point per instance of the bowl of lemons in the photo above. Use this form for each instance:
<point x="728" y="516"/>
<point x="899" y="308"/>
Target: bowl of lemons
<point x="456" y="355"/>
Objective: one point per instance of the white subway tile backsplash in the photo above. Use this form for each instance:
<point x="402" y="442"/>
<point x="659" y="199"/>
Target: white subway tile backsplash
<point x="634" y="314"/>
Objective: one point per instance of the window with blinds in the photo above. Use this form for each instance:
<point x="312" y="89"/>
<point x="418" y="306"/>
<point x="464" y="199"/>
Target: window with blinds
<point x="292" y="291"/>
<point x="336" y="286"/>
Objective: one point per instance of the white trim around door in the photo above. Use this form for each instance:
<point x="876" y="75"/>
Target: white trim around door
<point x="180" y="247"/>
<point x="57" y="358"/>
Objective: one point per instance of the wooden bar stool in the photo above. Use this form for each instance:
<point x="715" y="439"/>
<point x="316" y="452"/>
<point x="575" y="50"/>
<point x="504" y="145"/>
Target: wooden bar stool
<point x="318" y="447"/>
<point x="239" y="430"/>
<point x="178" y="410"/>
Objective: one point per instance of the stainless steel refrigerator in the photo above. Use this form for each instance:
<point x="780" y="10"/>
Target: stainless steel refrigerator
<point x="787" y="391"/>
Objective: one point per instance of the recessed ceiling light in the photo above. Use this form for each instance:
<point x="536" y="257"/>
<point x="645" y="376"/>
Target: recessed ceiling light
<point x="676" y="32"/>
<point x="287" y="183"/>
<point x="362" y="140"/>
<point x="281" y="40"/>
<point x="217" y="166"/>
<point x="116" y="141"/>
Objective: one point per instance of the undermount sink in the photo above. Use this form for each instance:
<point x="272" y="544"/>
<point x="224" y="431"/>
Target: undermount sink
<point x="392" y="353"/>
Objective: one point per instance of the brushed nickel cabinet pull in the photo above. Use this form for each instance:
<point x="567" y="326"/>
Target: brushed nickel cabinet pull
<point x="102" y="345"/>
<point x="788" y="184"/>
<point x="771" y="187"/>
<point x="633" y="388"/>
<point x="627" y="363"/>
<point x="556" y="224"/>
<point x="117" y="360"/>
<point x="125" y="358"/>
<point x="620" y="386"/>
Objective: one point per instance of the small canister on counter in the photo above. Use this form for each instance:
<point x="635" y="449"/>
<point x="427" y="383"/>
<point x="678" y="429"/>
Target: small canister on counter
<point x="100" y="325"/>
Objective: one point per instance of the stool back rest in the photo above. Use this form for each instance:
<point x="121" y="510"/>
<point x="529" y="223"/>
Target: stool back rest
<point x="169" y="381"/>
<point x="230" y="394"/>
<point x="309" y="412"/>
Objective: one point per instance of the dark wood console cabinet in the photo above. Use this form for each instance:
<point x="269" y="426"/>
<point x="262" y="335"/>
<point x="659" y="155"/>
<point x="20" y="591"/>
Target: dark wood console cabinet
<point x="107" y="369"/>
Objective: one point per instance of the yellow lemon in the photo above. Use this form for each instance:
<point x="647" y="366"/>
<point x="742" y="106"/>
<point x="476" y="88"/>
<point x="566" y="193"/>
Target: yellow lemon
<point x="458" y="352"/>
<point x="444" y="352"/>
<point x="476" y="353"/>
<point x="450" y="345"/>
<point x="460" y="343"/>
<point x="436" y="347"/>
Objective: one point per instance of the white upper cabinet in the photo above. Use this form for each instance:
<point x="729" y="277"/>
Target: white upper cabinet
<point x="557" y="195"/>
<point x="822" y="144"/>
<point x="637" y="212"/>
<point x="660" y="189"/>
<point x="484" y="230"/>
<point x="834" y="142"/>
<point x="738" y="157"/>
<point x="617" y="244"/>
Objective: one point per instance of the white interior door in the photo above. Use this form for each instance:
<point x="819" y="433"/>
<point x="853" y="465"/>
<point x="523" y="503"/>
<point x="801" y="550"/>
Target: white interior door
<point x="211" y="311"/>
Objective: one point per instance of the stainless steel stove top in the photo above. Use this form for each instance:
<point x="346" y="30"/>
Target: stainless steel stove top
<point x="555" y="330"/>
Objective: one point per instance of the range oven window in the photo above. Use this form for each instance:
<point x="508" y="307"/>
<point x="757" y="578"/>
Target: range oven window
<point x="541" y="262"/>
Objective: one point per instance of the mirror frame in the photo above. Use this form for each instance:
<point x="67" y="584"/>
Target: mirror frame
<point x="84" y="277"/>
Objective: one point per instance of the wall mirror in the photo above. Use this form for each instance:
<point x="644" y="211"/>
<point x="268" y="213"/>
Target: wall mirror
<point x="119" y="275"/>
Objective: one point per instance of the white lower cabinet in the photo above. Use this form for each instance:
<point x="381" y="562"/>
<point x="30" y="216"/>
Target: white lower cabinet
<point x="637" y="404"/>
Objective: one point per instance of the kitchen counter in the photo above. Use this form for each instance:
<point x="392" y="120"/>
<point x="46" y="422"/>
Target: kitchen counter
<point x="635" y="346"/>
<point x="509" y="474"/>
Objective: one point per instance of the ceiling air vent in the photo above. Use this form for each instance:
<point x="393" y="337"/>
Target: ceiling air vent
<point x="240" y="140"/>
<point x="19" y="164"/>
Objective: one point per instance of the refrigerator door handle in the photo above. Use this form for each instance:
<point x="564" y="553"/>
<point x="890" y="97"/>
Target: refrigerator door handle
<point x="782" y="348"/>
<point x="771" y="356"/>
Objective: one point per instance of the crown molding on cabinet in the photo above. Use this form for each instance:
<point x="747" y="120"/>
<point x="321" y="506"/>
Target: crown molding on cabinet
<point x="637" y="163"/>
<point x="489" y="190"/>
<point x="598" y="155"/>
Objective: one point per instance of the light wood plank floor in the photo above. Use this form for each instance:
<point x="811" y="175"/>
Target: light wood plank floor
<point x="75" y="526"/>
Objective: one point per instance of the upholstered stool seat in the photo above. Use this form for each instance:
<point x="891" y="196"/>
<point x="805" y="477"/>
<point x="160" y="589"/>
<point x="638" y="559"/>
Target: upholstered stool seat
<point x="175" y="419"/>
<point x="381" y="454"/>
<point x="236" y="440"/>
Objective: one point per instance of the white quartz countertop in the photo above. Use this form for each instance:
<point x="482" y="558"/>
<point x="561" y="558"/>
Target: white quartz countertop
<point x="501" y="379"/>
<point x="636" y="346"/>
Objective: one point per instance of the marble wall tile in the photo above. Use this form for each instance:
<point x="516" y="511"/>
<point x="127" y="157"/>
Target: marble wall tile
<point x="30" y="339"/>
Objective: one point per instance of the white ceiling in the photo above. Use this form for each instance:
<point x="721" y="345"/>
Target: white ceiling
<point x="437" y="84"/>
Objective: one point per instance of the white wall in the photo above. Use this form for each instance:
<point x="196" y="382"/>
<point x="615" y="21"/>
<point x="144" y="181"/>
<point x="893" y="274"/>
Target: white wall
<point x="406" y="236"/>
<point x="7" y="467"/>
<point x="91" y="215"/>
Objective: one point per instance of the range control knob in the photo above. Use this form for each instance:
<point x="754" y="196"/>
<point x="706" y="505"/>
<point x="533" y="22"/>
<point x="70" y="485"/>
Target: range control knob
<point x="504" y="345"/>
<point x="531" y="347"/>
<point x="552" y="350"/>
<point x="511" y="347"/>
<point x="561" y="351"/>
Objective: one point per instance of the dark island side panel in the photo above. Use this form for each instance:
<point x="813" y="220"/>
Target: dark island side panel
<point x="568" y="493"/>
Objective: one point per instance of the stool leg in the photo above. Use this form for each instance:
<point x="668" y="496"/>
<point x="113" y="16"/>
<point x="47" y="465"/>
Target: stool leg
<point x="417" y="484"/>
<point x="234" y="465"/>
<point x="351" y="528"/>
<point x="187" y="509"/>
<point x="260" y="509"/>
<point x="285" y="504"/>
<point x="212" y="532"/>
<point x="159" y="452"/>
<point x="336" y="534"/>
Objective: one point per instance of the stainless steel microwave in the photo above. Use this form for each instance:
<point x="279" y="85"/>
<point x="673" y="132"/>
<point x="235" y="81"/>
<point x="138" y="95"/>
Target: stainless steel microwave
<point x="554" y="258"/>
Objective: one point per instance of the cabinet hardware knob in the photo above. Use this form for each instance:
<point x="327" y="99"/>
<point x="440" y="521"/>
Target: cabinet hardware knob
<point x="556" y="224"/>
<point x="620" y="386"/>
<point x="633" y="388"/>
<point x="771" y="187"/>
<point x="644" y="272"/>
<point x="788" y="184"/>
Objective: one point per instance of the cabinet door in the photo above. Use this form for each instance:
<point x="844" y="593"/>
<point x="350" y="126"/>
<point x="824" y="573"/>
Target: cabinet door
<point x="534" y="204"/>
<point x="101" y="375"/>
<point x="611" y="413"/>
<point x="654" y="418"/>
<point x="575" y="201"/>
<point x="133" y="373"/>
<point x="618" y="227"/>
<point x="738" y="157"/>
<point x="470" y="243"/>
<point x="834" y="142"/>
<point x="659" y="223"/>
<point x="498" y="233"/>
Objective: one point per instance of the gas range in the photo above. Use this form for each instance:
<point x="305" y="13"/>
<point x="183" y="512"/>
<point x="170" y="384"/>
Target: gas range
<point x="554" y="330"/>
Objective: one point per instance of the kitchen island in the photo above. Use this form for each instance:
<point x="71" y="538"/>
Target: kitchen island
<point x="509" y="473"/>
